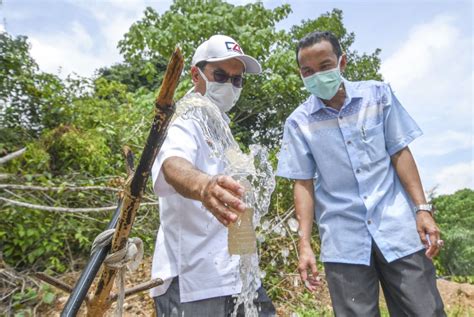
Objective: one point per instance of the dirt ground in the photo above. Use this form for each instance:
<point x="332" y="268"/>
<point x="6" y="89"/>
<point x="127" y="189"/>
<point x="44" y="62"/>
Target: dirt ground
<point x="457" y="297"/>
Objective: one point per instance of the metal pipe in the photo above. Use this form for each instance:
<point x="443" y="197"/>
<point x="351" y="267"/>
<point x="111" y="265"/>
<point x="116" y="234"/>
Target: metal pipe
<point x="82" y="286"/>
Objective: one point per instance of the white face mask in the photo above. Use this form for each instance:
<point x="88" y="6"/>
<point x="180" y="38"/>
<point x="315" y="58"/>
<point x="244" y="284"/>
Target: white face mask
<point x="225" y="95"/>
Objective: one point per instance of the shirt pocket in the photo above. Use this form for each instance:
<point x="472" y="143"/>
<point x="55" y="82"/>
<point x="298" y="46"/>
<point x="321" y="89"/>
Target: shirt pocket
<point x="374" y="141"/>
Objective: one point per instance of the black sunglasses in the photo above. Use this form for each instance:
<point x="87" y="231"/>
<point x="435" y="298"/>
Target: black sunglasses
<point x="222" y="78"/>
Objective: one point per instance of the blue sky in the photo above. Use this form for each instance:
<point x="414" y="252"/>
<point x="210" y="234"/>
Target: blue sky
<point x="427" y="57"/>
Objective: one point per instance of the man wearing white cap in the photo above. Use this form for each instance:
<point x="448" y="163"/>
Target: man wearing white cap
<point x="191" y="254"/>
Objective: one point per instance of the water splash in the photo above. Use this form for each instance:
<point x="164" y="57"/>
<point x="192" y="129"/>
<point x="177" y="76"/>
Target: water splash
<point x="249" y="275"/>
<point x="212" y="122"/>
<point x="255" y="165"/>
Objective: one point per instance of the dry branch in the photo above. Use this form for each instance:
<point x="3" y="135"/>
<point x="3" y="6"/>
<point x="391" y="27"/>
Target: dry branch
<point x="65" y="209"/>
<point x="11" y="156"/>
<point x="54" y="282"/>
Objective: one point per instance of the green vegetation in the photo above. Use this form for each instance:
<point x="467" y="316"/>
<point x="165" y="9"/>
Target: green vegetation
<point x="74" y="130"/>
<point x="455" y="216"/>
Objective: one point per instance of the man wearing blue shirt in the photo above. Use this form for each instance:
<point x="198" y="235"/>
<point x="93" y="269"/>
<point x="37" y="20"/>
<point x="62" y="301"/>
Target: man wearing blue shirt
<point x="346" y="147"/>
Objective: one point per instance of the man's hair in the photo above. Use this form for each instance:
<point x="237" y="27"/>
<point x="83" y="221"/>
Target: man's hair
<point x="316" y="37"/>
<point x="201" y="65"/>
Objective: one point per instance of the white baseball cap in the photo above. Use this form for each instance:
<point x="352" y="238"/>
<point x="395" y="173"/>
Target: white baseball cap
<point x="222" y="47"/>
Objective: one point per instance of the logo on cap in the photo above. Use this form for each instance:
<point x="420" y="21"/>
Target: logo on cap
<point x="232" y="46"/>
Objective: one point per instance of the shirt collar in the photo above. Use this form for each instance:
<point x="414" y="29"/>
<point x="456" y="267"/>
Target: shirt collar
<point x="351" y="93"/>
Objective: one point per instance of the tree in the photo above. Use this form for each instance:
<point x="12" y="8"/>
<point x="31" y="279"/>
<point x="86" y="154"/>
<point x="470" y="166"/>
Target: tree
<point x="142" y="74"/>
<point x="73" y="131"/>
<point x="455" y="216"/>
<point x="268" y="99"/>
<point x="26" y="94"/>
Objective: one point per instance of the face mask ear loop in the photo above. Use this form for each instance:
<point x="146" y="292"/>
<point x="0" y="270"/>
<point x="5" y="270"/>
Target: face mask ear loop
<point x="205" y="78"/>
<point x="202" y="74"/>
<point x="339" y="64"/>
<point x="190" y="91"/>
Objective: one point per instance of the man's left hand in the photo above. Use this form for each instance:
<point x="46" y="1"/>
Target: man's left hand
<point x="429" y="233"/>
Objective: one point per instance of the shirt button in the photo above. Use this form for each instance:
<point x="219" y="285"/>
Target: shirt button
<point x="369" y="221"/>
<point x="349" y="142"/>
<point x="358" y="170"/>
<point x="365" y="197"/>
<point x="340" y="117"/>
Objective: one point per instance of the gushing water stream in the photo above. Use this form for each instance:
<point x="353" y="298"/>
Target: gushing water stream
<point x="254" y="167"/>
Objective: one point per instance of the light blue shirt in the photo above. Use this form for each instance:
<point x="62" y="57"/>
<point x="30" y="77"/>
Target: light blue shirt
<point x="358" y="194"/>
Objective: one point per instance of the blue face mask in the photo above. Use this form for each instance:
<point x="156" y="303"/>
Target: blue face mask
<point x="324" y="84"/>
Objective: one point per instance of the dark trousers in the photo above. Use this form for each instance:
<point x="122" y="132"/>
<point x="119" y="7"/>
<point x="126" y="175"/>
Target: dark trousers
<point x="409" y="286"/>
<point x="169" y="305"/>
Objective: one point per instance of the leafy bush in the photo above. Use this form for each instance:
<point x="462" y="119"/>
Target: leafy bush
<point x="455" y="217"/>
<point x="35" y="160"/>
<point x="59" y="241"/>
<point x="73" y="150"/>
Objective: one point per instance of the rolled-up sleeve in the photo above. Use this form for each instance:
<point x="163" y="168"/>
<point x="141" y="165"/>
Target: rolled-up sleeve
<point x="400" y="128"/>
<point x="180" y="142"/>
<point x="295" y="159"/>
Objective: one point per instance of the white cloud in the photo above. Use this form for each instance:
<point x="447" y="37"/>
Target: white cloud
<point x="81" y="36"/>
<point x="455" y="177"/>
<point x="114" y="26"/>
<point x="2" y="28"/>
<point x="414" y="60"/>
<point x="432" y="75"/>
<point x="70" y="50"/>
<point x="82" y="50"/>
<point x="445" y="142"/>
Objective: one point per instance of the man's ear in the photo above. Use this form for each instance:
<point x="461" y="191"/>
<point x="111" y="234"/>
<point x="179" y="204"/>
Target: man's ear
<point x="343" y="62"/>
<point x="194" y="74"/>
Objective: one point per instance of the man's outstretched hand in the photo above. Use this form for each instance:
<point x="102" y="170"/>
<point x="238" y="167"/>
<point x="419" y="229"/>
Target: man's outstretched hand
<point x="222" y="197"/>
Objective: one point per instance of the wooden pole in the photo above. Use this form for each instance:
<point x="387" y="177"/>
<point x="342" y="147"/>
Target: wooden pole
<point x="164" y="109"/>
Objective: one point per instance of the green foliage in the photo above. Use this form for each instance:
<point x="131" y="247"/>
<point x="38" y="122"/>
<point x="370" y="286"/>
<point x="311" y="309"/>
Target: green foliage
<point x="24" y="300"/>
<point x="282" y="197"/>
<point x="12" y="139"/>
<point x="40" y="240"/>
<point x="80" y="142"/>
<point x="26" y="94"/>
<point x="74" y="150"/>
<point x="40" y="244"/>
<point x="18" y="89"/>
<point x="35" y="160"/>
<point x="455" y="217"/>
<point x="137" y="75"/>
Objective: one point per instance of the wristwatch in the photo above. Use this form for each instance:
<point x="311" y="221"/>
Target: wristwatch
<point x="424" y="207"/>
